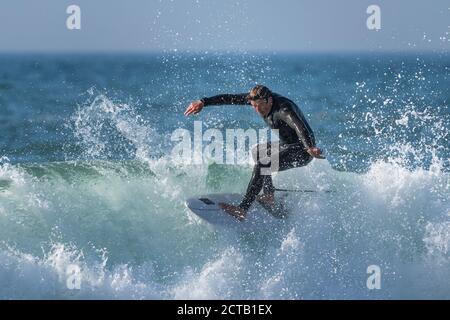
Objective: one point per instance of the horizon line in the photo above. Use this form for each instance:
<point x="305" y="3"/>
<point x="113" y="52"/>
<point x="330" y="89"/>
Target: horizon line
<point x="222" y="51"/>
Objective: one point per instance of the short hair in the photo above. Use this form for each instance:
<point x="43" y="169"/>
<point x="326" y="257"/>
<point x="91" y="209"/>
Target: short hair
<point x="259" y="92"/>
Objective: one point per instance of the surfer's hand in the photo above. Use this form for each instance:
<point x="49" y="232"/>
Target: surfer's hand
<point x="316" y="153"/>
<point x="194" y="108"/>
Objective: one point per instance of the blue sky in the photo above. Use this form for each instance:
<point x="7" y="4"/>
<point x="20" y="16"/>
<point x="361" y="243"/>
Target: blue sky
<point x="232" y="25"/>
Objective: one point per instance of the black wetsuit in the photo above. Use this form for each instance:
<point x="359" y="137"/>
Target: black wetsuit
<point x="295" y="136"/>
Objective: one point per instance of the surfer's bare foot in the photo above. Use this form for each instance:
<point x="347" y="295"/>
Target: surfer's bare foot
<point x="267" y="198"/>
<point x="235" y="211"/>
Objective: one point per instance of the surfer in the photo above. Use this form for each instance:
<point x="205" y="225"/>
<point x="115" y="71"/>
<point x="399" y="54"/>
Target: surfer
<point x="296" y="148"/>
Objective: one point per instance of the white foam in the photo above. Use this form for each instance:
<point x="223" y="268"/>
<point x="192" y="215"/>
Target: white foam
<point x="389" y="216"/>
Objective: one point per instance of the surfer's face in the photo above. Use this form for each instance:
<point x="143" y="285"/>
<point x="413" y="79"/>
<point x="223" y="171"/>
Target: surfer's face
<point x="262" y="106"/>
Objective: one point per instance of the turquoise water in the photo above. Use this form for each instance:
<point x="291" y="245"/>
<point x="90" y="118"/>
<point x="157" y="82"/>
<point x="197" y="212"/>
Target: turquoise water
<point x="87" y="178"/>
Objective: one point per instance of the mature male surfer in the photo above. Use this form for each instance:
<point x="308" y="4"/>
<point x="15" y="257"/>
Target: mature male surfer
<point x="297" y="146"/>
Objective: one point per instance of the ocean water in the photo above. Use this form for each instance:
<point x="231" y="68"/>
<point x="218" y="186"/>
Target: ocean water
<point x="92" y="203"/>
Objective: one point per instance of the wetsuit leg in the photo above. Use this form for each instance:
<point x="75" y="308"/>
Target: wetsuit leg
<point x="268" y="186"/>
<point x="263" y="150"/>
<point x="289" y="156"/>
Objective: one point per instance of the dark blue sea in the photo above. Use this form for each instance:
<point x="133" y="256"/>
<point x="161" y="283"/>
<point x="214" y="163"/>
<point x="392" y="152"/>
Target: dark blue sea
<point x="92" y="203"/>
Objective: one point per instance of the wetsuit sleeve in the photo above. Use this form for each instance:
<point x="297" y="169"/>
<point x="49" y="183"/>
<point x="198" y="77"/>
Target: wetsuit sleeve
<point x="293" y="121"/>
<point x="223" y="99"/>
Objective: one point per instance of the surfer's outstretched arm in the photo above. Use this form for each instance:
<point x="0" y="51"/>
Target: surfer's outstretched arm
<point x="221" y="99"/>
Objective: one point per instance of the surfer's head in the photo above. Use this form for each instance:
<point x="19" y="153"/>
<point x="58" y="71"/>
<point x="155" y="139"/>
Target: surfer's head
<point x="261" y="99"/>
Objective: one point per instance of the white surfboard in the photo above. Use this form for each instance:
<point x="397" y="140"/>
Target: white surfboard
<point x="207" y="208"/>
